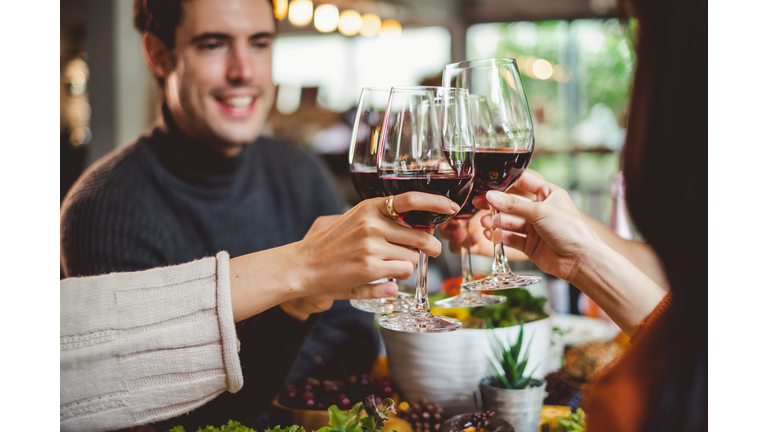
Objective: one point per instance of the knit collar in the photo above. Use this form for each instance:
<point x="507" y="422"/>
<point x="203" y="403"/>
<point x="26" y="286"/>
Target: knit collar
<point x="193" y="161"/>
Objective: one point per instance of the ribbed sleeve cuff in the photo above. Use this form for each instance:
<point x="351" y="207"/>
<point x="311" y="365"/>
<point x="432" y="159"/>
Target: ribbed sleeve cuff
<point x="657" y="312"/>
<point x="229" y="343"/>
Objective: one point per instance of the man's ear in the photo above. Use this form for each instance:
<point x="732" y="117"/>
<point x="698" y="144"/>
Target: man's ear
<point x="157" y="55"/>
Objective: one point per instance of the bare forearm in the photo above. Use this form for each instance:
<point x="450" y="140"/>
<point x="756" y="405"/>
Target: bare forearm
<point x="640" y="254"/>
<point x="622" y="290"/>
<point x="263" y="280"/>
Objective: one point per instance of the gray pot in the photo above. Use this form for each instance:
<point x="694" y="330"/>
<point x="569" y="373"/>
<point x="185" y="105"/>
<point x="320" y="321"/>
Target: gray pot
<point x="521" y="408"/>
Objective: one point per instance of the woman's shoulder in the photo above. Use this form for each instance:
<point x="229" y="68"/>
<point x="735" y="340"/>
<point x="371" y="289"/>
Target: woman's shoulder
<point x="618" y="401"/>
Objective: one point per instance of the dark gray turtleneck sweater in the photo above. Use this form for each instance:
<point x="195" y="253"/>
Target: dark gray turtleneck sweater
<point x="167" y="199"/>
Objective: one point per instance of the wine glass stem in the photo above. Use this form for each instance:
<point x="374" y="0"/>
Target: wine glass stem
<point x="421" y="299"/>
<point x="500" y="264"/>
<point x="466" y="261"/>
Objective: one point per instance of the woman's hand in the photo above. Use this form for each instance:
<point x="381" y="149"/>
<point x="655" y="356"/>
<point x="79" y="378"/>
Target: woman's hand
<point x="342" y="255"/>
<point x="337" y="259"/>
<point x="549" y="230"/>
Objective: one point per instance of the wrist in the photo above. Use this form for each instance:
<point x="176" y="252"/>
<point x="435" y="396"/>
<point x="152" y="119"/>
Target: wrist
<point x="291" y="309"/>
<point x="585" y="272"/>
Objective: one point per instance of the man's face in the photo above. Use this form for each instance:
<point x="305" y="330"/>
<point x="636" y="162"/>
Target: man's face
<point x="220" y="89"/>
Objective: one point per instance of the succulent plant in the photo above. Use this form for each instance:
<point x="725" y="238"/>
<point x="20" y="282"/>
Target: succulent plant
<point x="512" y="360"/>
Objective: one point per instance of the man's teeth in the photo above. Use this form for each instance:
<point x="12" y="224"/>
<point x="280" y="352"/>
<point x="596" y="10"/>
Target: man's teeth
<point x="238" y="101"/>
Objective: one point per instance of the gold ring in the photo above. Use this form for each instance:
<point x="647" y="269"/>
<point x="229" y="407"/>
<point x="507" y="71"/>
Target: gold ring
<point x="391" y="207"/>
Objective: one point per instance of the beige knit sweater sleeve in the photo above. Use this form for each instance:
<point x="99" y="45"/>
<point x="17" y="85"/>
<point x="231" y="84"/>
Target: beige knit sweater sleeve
<point x="145" y="346"/>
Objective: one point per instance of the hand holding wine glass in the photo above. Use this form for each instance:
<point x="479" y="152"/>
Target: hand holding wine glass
<point x="500" y="160"/>
<point x="364" y="244"/>
<point x="554" y="235"/>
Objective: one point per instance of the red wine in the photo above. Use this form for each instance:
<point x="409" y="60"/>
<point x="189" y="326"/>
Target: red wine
<point x="495" y="169"/>
<point x="498" y="168"/>
<point x="455" y="188"/>
<point x="469" y="209"/>
<point x="367" y="184"/>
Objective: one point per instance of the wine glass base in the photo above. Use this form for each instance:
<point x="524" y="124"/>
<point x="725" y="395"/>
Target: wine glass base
<point x="500" y="281"/>
<point x="419" y="322"/>
<point x="470" y="299"/>
<point x="400" y="302"/>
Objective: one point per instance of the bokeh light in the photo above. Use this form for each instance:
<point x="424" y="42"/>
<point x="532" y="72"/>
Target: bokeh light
<point x="350" y="22"/>
<point x="300" y="12"/>
<point x="371" y="25"/>
<point x="281" y="9"/>
<point x="542" y="69"/>
<point x="390" y="29"/>
<point x="561" y="74"/>
<point x="326" y="18"/>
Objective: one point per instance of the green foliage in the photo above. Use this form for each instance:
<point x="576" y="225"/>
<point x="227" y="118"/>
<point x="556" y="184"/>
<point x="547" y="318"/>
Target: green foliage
<point x="370" y="419"/>
<point x="233" y="426"/>
<point x="576" y="422"/>
<point x="512" y="359"/>
<point x="293" y="428"/>
<point x="521" y="307"/>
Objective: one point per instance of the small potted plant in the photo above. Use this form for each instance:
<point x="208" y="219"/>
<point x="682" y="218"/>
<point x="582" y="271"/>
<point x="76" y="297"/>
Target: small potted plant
<point x="507" y="391"/>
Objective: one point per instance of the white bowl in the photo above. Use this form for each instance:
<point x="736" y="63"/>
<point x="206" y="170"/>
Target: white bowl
<point x="446" y="368"/>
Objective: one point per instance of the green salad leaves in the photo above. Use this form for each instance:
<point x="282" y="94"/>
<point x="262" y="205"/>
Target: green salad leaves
<point x="233" y="426"/>
<point x="370" y="419"/>
<point x="363" y="417"/>
<point x="576" y="422"/>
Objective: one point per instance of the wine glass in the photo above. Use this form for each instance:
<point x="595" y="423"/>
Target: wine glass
<point x="425" y="146"/>
<point x="505" y="158"/>
<point x="482" y="130"/>
<point x="365" y="179"/>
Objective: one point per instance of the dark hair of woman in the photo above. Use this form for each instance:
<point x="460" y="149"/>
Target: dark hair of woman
<point x="665" y="165"/>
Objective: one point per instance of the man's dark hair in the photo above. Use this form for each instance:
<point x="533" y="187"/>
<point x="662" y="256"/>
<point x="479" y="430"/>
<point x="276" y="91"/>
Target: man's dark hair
<point x="160" y="18"/>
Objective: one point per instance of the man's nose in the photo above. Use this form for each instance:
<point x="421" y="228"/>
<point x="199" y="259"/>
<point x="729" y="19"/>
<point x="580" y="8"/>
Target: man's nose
<point x="239" y="68"/>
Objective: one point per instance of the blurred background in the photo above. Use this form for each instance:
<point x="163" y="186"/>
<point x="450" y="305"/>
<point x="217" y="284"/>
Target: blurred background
<point x="575" y="57"/>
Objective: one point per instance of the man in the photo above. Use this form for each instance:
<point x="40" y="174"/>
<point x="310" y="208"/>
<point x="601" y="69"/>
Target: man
<point x="203" y="182"/>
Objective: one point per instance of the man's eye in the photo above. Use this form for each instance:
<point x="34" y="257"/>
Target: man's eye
<point x="209" y="46"/>
<point x="262" y="43"/>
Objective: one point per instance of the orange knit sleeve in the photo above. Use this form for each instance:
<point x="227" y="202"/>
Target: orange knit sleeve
<point x="653" y="316"/>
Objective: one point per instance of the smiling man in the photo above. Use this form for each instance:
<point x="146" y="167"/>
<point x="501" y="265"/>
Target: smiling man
<point x="203" y="181"/>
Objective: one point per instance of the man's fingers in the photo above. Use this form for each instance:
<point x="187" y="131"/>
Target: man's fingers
<point x="454" y="231"/>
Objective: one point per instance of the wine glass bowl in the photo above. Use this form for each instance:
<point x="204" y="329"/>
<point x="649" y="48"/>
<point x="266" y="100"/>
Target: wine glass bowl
<point x="363" y="152"/>
<point x="504" y="145"/>
<point x="484" y="136"/>
<point x="426" y="146"/>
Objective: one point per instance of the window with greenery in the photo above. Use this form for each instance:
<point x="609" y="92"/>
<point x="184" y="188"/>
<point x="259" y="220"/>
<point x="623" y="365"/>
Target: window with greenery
<point x="577" y="76"/>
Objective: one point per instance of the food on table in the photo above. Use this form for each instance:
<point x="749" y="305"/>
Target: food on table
<point x="586" y="361"/>
<point x="563" y="390"/>
<point x="477" y="422"/>
<point x="575" y="422"/>
<point x="521" y="307"/>
<point x="397" y="424"/>
<point x="550" y="414"/>
<point x="423" y="415"/>
<point x="313" y="394"/>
